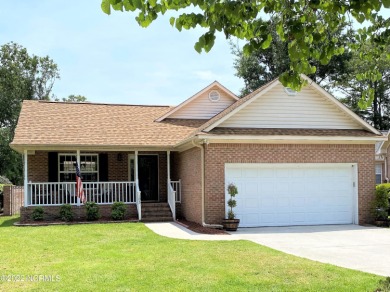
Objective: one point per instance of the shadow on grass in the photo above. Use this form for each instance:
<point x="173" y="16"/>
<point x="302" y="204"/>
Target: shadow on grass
<point x="9" y="222"/>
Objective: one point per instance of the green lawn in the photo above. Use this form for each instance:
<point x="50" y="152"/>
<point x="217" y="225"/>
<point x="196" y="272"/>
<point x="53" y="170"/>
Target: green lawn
<point x="123" y="257"/>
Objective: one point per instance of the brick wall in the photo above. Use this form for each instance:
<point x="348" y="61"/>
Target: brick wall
<point x="51" y="213"/>
<point x="13" y="200"/>
<point x="38" y="168"/>
<point x="216" y="155"/>
<point x="187" y="167"/>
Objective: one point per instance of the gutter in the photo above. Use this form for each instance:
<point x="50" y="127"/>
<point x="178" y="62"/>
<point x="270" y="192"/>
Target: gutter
<point x="202" y="165"/>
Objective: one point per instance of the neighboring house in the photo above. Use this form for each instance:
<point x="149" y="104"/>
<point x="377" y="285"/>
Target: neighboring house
<point x="297" y="158"/>
<point x="382" y="160"/>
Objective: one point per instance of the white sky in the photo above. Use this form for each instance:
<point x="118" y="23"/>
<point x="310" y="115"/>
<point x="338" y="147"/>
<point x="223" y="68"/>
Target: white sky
<point x="110" y="58"/>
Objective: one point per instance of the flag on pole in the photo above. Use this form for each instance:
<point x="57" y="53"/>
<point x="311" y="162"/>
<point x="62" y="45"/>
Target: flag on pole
<point x="79" y="186"/>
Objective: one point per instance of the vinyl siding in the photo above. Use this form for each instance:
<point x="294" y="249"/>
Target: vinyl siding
<point x="308" y="109"/>
<point x="202" y="107"/>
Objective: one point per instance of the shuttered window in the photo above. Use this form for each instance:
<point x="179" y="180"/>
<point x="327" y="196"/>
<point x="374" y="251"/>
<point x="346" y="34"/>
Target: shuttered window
<point x="89" y="167"/>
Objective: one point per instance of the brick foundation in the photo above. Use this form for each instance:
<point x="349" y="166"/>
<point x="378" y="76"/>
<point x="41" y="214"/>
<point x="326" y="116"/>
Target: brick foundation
<point x="52" y="213"/>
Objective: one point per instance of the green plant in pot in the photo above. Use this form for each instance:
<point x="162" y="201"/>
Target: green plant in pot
<point x="231" y="223"/>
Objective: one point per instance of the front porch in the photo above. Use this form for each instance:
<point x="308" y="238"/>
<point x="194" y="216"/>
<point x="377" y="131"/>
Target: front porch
<point x="137" y="178"/>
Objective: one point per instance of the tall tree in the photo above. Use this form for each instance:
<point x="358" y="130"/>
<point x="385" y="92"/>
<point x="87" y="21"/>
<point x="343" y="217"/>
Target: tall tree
<point x="264" y="65"/>
<point x="22" y="76"/>
<point x="308" y="26"/>
<point x="377" y="111"/>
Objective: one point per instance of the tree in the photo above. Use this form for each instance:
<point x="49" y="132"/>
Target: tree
<point x="378" y="112"/>
<point x="308" y="26"/>
<point x="73" y="98"/>
<point x="22" y="76"/>
<point x="264" y="65"/>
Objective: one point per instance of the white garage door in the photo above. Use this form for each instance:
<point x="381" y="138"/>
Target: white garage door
<point x="293" y="194"/>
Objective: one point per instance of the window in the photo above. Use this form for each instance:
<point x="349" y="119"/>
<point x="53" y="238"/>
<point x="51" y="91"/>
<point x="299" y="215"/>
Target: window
<point x="378" y="173"/>
<point x="88" y="167"/>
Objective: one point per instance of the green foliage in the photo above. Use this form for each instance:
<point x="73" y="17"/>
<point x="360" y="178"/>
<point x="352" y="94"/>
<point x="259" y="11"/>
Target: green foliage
<point x="309" y="27"/>
<point x="375" y="107"/>
<point x="232" y="191"/>
<point x="72" y="98"/>
<point x="92" y="211"/>
<point x="265" y="64"/>
<point x="118" y="211"/>
<point x="381" y="203"/>
<point x="384" y="285"/>
<point x="37" y="214"/>
<point x="22" y="76"/>
<point x="66" y="213"/>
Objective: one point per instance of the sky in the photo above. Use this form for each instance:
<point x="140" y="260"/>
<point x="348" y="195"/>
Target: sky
<point x="110" y="58"/>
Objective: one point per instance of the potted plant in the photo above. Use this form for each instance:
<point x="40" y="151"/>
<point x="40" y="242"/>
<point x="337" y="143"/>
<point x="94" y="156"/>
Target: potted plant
<point x="231" y="223"/>
<point x="381" y="206"/>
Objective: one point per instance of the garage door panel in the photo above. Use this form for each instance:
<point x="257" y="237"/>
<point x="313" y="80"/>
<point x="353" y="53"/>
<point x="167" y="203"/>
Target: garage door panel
<point x="292" y="194"/>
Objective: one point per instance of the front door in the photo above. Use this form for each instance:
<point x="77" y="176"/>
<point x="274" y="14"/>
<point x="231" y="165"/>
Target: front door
<point x="148" y="177"/>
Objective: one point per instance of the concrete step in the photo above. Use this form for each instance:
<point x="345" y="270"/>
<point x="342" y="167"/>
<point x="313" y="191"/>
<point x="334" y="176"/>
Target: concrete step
<point x="157" y="219"/>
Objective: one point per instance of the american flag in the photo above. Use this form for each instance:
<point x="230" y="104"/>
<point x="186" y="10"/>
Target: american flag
<point x="79" y="186"/>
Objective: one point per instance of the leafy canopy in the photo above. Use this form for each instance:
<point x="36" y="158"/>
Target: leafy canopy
<point x="308" y="26"/>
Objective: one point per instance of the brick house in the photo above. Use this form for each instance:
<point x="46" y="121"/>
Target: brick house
<point x="382" y="157"/>
<point x="297" y="158"/>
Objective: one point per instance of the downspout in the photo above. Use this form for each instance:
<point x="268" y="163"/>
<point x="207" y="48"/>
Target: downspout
<point x="202" y="166"/>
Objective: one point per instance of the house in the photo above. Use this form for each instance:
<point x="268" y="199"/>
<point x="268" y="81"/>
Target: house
<point x="297" y="158"/>
<point x="382" y="160"/>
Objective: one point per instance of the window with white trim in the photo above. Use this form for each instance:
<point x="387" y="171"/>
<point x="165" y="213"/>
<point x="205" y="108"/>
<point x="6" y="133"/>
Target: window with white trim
<point x="378" y="174"/>
<point x="89" y="167"/>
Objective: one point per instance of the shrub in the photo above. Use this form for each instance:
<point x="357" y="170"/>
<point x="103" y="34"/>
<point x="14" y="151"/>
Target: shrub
<point x="37" y="214"/>
<point x="92" y="211"/>
<point x="381" y="203"/>
<point x="66" y="213"/>
<point x="118" y="211"/>
<point x="5" y="181"/>
<point x="232" y="191"/>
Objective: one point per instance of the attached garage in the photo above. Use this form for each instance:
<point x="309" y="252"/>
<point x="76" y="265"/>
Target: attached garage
<point x="284" y="194"/>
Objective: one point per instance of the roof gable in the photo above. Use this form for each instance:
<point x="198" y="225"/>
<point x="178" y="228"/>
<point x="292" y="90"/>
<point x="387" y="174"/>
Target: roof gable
<point x="199" y="106"/>
<point x="271" y="107"/>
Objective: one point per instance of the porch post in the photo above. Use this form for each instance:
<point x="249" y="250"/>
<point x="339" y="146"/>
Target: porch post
<point x="136" y="167"/>
<point x="168" y="169"/>
<point x="78" y="163"/>
<point x="25" y="179"/>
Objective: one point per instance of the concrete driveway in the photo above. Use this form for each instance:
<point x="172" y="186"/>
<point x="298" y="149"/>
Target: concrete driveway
<point x="362" y="248"/>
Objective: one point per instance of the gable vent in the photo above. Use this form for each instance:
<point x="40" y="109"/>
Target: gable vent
<point x="289" y="91"/>
<point x="214" y="95"/>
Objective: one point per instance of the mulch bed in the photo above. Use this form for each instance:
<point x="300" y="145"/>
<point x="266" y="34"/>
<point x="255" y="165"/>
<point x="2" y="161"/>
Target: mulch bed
<point x="200" y="229"/>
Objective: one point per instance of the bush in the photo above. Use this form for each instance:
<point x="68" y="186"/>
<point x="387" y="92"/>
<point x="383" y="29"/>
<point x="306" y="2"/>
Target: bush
<point x="92" y="211"/>
<point x="118" y="211"/>
<point x="66" y="213"/>
<point x="5" y="181"/>
<point x="381" y="203"/>
<point x="37" y="214"/>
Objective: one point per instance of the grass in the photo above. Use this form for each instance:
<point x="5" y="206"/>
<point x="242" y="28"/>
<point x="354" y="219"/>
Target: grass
<point x="124" y="257"/>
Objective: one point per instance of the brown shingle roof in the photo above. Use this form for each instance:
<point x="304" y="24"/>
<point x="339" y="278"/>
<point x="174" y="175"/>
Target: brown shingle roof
<point x="291" y="132"/>
<point x="89" y="124"/>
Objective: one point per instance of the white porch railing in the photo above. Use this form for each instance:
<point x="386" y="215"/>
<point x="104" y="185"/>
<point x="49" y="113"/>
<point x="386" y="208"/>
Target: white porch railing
<point x="176" y="186"/>
<point x="59" y="193"/>
<point x="172" y="200"/>
<point x="138" y="201"/>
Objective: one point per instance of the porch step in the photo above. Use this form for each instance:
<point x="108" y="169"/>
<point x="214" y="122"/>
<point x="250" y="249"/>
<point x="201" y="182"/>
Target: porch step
<point x="156" y="212"/>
